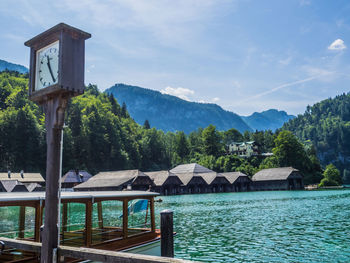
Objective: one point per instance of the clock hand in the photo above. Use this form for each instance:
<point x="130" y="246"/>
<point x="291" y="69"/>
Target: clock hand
<point x="49" y="66"/>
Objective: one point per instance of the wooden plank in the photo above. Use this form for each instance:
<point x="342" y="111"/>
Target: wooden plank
<point x="125" y="218"/>
<point x="21" y="221"/>
<point x="88" y="224"/>
<point x="21" y="244"/>
<point x="112" y="256"/>
<point x="100" y="215"/>
<point x="90" y="253"/>
<point x="153" y="222"/>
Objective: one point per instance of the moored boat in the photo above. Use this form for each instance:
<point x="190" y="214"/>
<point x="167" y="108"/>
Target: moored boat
<point x="115" y="220"/>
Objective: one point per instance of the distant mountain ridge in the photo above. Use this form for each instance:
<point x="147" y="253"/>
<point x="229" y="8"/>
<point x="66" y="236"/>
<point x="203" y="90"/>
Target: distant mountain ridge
<point x="11" y="66"/>
<point x="170" y="113"/>
<point x="267" y="120"/>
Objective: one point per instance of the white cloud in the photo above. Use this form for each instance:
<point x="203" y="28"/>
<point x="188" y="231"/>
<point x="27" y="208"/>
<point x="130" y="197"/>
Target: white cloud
<point x="182" y="93"/>
<point x="338" y="44"/>
<point x="216" y="99"/>
<point x="285" y="62"/>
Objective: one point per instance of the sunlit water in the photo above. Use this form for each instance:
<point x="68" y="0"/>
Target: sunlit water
<point x="283" y="226"/>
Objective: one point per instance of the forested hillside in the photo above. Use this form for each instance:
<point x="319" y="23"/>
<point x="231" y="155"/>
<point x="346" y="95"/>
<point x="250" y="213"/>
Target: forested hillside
<point x="4" y="65"/>
<point x="326" y="125"/>
<point x="101" y="136"/>
<point x="170" y="113"/>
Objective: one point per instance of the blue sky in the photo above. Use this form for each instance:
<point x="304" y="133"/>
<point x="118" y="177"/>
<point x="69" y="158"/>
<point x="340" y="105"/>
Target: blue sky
<point x="243" y="55"/>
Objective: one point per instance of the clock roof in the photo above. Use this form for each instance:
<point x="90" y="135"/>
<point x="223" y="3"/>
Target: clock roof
<point x="75" y="32"/>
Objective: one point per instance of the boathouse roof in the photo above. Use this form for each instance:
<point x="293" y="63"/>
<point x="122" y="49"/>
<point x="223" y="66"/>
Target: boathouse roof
<point x="76" y="176"/>
<point x="282" y="173"/>
<point x="190" y="168"/>
<point x="23" y="177"/>
<point x="160" y="177"/>
<point x="34" y="187"/>
<point x="213" y="178"/>
<point x="233" y="176"/>
<point x="111" y="179"/>
<point x="191" y="178"/>
<point x="13" y="186"/>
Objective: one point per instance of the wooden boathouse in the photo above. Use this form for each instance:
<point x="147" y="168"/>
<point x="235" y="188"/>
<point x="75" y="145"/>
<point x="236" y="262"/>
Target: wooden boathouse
<point x="285" y="178"/>
<point x="21" y="182"/>
<point x="23" y="177"/>
<point x="217" y="183"/>
<point x="166" y="183"/>
<point x="116" y="181"/>
<point x="239" y="181"/>
<point x="75" y="177"/>
<point x="191" y="178"/>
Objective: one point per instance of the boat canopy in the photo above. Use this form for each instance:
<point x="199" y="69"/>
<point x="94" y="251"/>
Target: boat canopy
<point x="34" y="196"/>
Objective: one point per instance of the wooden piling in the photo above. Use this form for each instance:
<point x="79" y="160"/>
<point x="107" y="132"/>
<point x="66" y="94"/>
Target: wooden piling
<point x="167" y="233"/>
<point x="22" y="220"/>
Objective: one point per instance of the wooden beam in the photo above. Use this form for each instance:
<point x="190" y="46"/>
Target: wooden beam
<point x="112" y="256"/>
<point x="88" y="224"/>
<point x="38" y="221"/>
<point x="54" y="108"/>
<point x="153" y="222"/>
<point x="125" y="218"/>
<point x="64" y="217"/>
<point x="21" y="221"/>
<point x="21" y="244"/>
<point x="100" y="214"/>
<point x="90" y="253"/>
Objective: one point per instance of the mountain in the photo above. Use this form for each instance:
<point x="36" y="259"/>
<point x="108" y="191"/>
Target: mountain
<point x="170" y="113"/>
<point x="267" y="120"/>
<point x="13" y="67"/>
<point x="326" y="125"/>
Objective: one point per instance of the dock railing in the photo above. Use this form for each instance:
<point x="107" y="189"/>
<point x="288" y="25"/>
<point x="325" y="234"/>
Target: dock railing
<point x="90" y="253"/>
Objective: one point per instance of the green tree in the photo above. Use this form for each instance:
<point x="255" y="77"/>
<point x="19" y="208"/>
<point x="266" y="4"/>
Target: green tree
<point x="181" y="146"/>
<point x="146" y="125"/>
<point x="289" y="151"/>
<point x="331" y="176"/>
<point x="211" y="141"/>
<point x="232" y="135"/>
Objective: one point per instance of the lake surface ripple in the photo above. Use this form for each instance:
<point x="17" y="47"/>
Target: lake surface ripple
<point x="281" y="226"/>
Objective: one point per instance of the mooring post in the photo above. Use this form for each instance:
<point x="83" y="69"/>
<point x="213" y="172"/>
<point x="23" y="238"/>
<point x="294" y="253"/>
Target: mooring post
<point x="167" y="233"/>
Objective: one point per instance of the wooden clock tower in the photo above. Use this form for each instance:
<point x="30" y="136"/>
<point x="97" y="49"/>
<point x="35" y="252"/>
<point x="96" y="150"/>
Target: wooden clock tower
<point x="56" y="74"/>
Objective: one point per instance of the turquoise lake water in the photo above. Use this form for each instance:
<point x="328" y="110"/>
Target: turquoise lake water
<point x="281" y="226"/>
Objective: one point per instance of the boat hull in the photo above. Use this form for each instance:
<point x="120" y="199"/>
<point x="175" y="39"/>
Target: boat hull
<point x="150" y="248"/>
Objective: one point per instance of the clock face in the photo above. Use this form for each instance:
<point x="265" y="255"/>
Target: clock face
<point x="47" y="66"/>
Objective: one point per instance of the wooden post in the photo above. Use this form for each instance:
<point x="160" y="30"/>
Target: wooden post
<point x="88" y="224"/>
<point x="38" y="215"/>
<point x="167" y="233"/>
<point x="64" y="217"/>
<point x="153" y="222"/>
<point x="100" y="215"/>
<point x="21" y="221"/>
<point x="54" y="108"/>
<point x="125" y="218"/>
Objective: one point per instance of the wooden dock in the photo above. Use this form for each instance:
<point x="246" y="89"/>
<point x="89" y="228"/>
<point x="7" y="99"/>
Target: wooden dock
<point x="90" y="253"/>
